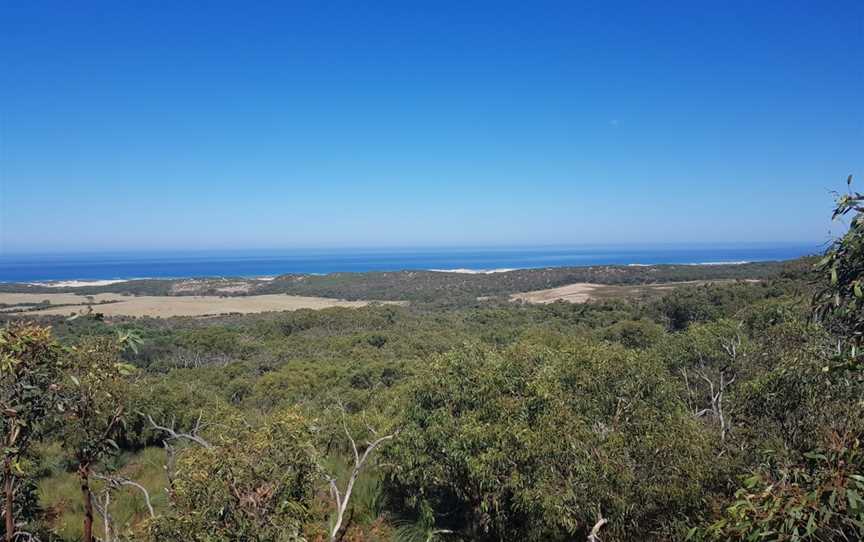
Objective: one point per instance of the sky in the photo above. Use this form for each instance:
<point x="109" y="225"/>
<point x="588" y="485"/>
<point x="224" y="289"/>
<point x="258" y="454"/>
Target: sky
<point x="210" y="125"/>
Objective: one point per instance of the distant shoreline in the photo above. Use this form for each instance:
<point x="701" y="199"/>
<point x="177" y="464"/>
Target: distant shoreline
<point x="78" y="282"/>
<point x="164" y="297"/>
<point x="86" y="283"/>
<point x="83" y="268"/>
<point x="456" y="287"/>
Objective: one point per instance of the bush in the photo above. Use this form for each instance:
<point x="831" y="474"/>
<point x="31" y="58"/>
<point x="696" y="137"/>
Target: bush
<point x="819" y="499"/>
<point x="251" y="485"/>
<point x="528" y="444"/>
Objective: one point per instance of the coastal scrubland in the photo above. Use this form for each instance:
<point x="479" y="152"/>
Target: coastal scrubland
<point x="660" y="403"/>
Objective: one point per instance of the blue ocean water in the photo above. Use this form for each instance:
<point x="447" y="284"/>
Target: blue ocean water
<point x="252" y="263"/>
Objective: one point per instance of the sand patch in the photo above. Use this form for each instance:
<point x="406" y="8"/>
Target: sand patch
<point x="582" y="292"/>
<point x="574" y="293"/>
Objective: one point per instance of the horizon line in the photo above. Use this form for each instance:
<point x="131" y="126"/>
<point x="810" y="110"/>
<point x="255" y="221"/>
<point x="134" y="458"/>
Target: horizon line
<point x="404" y="248"/>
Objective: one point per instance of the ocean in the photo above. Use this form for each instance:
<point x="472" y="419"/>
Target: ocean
<point x="260" y="263"/>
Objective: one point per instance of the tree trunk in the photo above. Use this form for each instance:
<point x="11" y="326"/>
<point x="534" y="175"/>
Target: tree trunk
<point x="84" y="475"/>
<point x="10" y="517"/>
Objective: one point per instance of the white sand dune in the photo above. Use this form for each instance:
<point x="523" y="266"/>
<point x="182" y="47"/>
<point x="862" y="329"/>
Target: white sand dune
<point x="574" y="293"/>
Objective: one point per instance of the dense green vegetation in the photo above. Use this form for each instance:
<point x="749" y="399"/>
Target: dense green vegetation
<point x="726" y="411"/>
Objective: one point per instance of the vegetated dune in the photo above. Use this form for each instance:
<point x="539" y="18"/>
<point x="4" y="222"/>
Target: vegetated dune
<point x="166" y="306"/>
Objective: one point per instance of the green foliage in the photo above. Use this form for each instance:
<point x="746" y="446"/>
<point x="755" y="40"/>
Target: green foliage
<point x="29" y="376"/>
<point x="528" y="443"/>
<point x="706" y="346"/>
<point x="553" y="413"/>
<point x="178" y="397"/>
<point x="252" y="485"/>
<point x="698" y="304"/>
<point x="634" y="333"/>
<point x="93" y="393"/>
<point x="819" y="499"/>
<point x="840" y="302"/>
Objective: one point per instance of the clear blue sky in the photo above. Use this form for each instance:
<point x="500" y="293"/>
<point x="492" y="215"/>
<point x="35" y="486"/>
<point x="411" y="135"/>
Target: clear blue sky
<point x="160" y="125"/>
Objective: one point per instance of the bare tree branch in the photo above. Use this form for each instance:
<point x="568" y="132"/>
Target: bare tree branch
<point x="594" y="535"/>
<point x="174" y="435"/>
<point x="342" y="498"/>
<point x="116" y="482"/>
<point x="104" y="510"/>
<point x="350" y="438"/>
<point x="717" y="387"/>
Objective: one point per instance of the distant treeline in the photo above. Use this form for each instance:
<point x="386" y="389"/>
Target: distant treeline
<point x="433" y="286"/>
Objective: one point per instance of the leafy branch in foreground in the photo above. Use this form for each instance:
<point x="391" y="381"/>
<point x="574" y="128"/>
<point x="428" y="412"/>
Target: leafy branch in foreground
<point x="840" y="302"/>
<point x="29" y="373"/>
<point x="250" y="484"/>
<point x="820" y="499"/>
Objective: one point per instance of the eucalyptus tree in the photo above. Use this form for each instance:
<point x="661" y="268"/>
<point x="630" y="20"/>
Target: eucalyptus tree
<point x="532" y="443"/>
<point x="29" y="376"/>
<point x="840" y="300"/>
<point x="93" y="402"/>
<point x="243" y="484"/>
<point x="708" y="358"/>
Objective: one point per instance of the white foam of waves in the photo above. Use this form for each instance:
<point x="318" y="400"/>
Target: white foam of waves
<point x="78" y="283"/>
<point x="474" y="271"/>
<point x="691" y="263"/>
<point x="742" y="262"/>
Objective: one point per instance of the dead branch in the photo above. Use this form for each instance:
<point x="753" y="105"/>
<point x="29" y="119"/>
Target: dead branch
<point x="342" y="498"/>
<point x="175" y="435"/>
<point x="717" y="388"/>
<point x="116" y="482"/>
<point x="104" y="509"/>
<point x="594" y="535"/>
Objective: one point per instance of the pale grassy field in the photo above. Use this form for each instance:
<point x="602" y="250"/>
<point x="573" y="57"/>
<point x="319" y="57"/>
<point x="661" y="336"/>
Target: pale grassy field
<point x="166" y="306"/>
<point x="55" y="299"/>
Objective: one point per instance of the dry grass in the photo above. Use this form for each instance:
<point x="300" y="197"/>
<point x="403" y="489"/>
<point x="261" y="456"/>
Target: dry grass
<point x="55" y="299"/>
<point x="60" y="494"/>
<point x="167" y="306"/>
